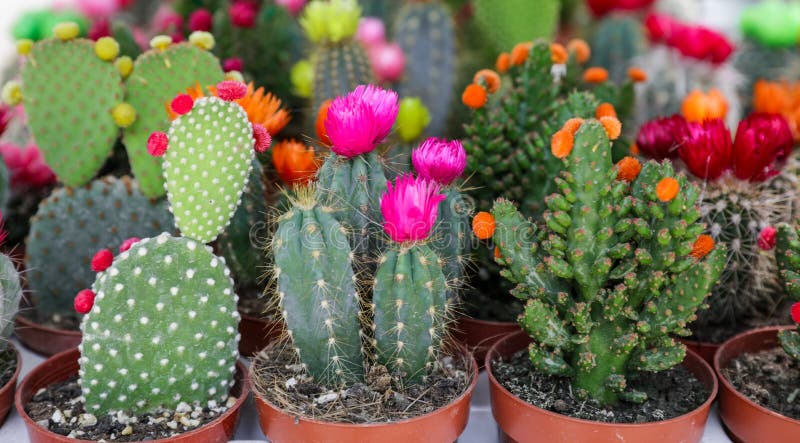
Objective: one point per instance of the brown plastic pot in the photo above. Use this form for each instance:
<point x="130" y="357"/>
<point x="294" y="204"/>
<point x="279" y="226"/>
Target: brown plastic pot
<point x="256" y="334"/>
<point x="746" y="420"/>
<point x="520" y="421"/>
<point x="64" y="365"/>
<point x="480" y="335"/>
<point x="7" y="391"/>
<point x="45" y="340"/>
<point x="705" y="350"/>
<point x="442" y="425"/>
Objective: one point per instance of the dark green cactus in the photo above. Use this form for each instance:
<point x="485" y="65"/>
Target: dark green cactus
<point x="410" y="305"/>
<point x="615" y="42"/>
<point x="316" y="290"/>
<point x="426" y="33"/>
<point x="72" y="224"/>
<point x="613" y="271"/>
<point x="788" y="257"/>
<point x="11" y="293"/>
<point x="170" y="304"/>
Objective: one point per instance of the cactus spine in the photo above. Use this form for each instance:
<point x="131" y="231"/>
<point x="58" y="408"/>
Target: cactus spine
<point x="11" y="293"/>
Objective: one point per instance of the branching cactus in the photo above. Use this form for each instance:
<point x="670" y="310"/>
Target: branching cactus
<point x="618" y="266"/>
<point x="788" y="256"/>
<point x="160" y="328"/>
<point x="352" y="178"/>
<point x="340" y="62"/>
<point x="11" y="293"/>
<point x="73" y="97"/>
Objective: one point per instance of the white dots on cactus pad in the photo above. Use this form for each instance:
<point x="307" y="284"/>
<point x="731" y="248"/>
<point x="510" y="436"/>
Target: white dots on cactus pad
<point x="192" y="314"/>
<point x="190" y="273"/>
<point x="173" y="326"/>
<point x="119" y="287"/>
<point x="168" y="259"/>
<point x="130" y="302"/>
<point x="122" y="371"/>
<point x="96" y="347"/>
<point x="113" y="352"/>
<point x="138" y="356"/>
<point x="173" y="290"/>
<point x="152" y="281"/>
<point x="144" y="375"/>
<point x="155" y="391"/>
<point x="159" y="305"/>
<point x="144" y="320"/>
<point x="163" y="361"/>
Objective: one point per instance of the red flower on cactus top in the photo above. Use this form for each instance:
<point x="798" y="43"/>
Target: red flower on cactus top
<point x="359" y="121"/>
<point x="409" y="208"/>
<point x="602" y="7"/>
<point x="796" y="312"/>
<point x="439" y="160"/>
<point x="660" y="138"/>
<point x="763" y="143"/>
<point x="693" y="41"/>
<point x="706" y="149"/>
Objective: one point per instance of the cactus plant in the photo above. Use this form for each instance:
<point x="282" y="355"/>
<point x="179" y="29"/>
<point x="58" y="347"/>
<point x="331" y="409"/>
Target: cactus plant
<point x="506" y="22"/>
<point x="618" y="265"/>
<point x="617" y="40"/>
<point x="11" y="293"/>
<point x="170" y="302"/>
<point x="787" y="254"/>
<point x="426" y="33"/>
<point x="72" y="223"/>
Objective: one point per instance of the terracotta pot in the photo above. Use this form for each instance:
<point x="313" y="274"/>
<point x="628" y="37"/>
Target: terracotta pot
<point x="442" y="425"/>
<point x="520" y="421"/>
<point x="480" y="335"/>
<point x="7" y="391"/>
<point x="746" y="420"/>
<point x="64" y="365"/>
<point x="704" y="349"/>
<point x="45" y="340"/>
<point x="256" y="334"/>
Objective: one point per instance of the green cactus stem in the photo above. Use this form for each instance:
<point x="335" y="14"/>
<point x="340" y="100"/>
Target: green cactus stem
<point x="449" y="238"/>
<point x="11" y="293"/>
<point x="787" y="254"/>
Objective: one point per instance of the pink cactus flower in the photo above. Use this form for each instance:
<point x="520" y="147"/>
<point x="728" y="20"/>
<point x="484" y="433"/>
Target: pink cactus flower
<point x="293" y="6"/>
<point x="98" y="8"/>
<point x="762" y="145"/>
<point x="410" y="207"/>
<point x="167" y="21"/>
<point x="243" y="14"/>
<point x="233" y="64"/>
<point x="200" y="20"/>
<point x="796" y="312"/>
<point x="439" y="160"/>
<point x="26" y="166"/>
<point x="361" y="120"/>
<point x="388" y="62"/>
<point x="371" y="32"/>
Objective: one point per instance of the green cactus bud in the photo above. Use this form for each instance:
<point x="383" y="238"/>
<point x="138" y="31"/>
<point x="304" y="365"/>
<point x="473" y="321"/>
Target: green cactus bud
<point x="412" y="118"/>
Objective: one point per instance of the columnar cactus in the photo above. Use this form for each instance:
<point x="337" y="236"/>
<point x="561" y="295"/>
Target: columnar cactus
<point x="162" y="328"/>
<point x="618" y="39"/>
<point x="617" y="267"/>
<point x="787" y="253"/>
<point x="10" y="294"/>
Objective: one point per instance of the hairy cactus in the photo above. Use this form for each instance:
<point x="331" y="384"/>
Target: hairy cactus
<point x="73" y="98"/>
<point x="617" y="40"/>
<point x="72" y="223"/>
<point x="11" y="293"/>
<point x="170" y="304"/>
<point x="787" y="254"/>
<point x="158" y="75"/>
<point x="616" y="268"/>
<point x="426" y="33"/>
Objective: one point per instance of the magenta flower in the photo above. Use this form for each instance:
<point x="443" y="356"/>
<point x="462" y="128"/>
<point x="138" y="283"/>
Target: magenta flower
<point x="706" y="149"/>
<point x="410" y="208"/>
<point x="439" y="160"/>
<point x="659" y="139"/>
<point x="361" y="120"/>
<point x="763" y="143"/>
<point x="26" y="166"/>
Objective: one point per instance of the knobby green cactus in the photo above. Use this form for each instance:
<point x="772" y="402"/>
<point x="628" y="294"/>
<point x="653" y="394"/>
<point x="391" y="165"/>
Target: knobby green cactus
<point x="162" y="330"/>
<point x="617" y="267"/>
<point x="788" y="257"/>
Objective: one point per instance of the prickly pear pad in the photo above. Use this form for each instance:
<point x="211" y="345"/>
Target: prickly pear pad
<point x="163" y="329"/>
<point x="69" y="94"/>
<point x="207" y="165"/>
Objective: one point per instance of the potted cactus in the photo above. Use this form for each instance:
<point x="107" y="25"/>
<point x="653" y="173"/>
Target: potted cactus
<point x="358" y="331"/>
<point x="758" y="370"/>
<point x="181" y="367"/>
<point x="10" y="360"/>
<point x="618" y="264"/>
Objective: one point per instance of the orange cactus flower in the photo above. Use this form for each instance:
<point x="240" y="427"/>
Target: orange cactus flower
<point x="605" y="110"/>
<point x="520" y="53"/>
<point x="628" y="169"/>
<point x="319" y="125"/>
<point x="637" y="75"/>
<point x="581" y="49"/>
<point x="697" y="106"/>
<point x="489" y="78"/>
<point x="612" y="126"/>
<point x="667" y="189"/>
<point x="561" y="144"/>
<point x="595" y="75"/>
<point x="294" y="162"/>
<point x="558" y="54"/>
<point x="474" y="96"/>
<point x="702" y="246"/>
<point x="572" y="125"/>
<point x="483" y="225"/>
<point x="779" y="98"/>
<point x="503" y="62"/>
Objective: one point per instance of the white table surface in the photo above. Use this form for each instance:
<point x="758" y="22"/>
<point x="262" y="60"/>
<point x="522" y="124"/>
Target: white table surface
<point x="480" y="429"/>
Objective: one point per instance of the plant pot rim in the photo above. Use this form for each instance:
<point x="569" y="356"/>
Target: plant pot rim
<point x="241" y="376"/>
<point x="453" y="403"/>
<point x="22" y="321"/>
<point x="523" y="404"/>
<point x="767" y="330"/>
<point x="12" y="383"/>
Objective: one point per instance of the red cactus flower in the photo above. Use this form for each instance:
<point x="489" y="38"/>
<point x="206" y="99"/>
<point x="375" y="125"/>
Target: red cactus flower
<point x="84" y="301"/>
<point x="660" y="27"/>
<point x="233" y="64"/>
<point x="602" y="7"/>
<point x="706" y="149"/>
<point x="243" y="14"/>
<point x="767" y="238"/>
<point x="128" y="243"/>
<point x="796" y="312"/>
<point x="659" y="138"/>
<point x="102" y="260"/>
<point x="763" y="142"/>
<point x="200" y="20"/>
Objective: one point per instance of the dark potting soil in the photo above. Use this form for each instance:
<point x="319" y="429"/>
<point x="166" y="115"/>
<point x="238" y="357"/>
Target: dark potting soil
<point x="58" y="408"/>
<point x="8" y="365"/>
<point x="670" y="393"/>
<point x="480" y="306"/>
<point x="281" y="380"/>
<point x="769" y="378"/>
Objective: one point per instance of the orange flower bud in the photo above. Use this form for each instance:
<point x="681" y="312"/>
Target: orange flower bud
<point x="612" y="126"/>
<point x="595" y="75"/>
<point x="628" y="169"/>
<point x="490" y="79"/>
<point x="483" y="225"/>
<point x="667" y="189"/>
<point x="581" y="49"/>
<point x="558" y="54"/>
<point x="474" y="96"/>
<point x="702" y="246"/>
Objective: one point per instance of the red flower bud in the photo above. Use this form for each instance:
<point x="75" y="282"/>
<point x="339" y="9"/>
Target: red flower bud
<point x="763" y="142"/>
<point x="796" y="312"/>
<point x="767" y="238"/>
<point x="102" y="260"/>
<point x="659" y="138"/>
<point x="706" y="149"/>
<point x="84" y="301"/>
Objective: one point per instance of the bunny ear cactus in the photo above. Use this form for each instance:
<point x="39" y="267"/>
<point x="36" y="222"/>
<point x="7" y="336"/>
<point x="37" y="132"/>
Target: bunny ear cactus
<point x="72" y="223"/>
<point x="73" y="98"/>
<point x="787" y="253"/>
<point x="617" y="267"/>
<point x="156" y="77"/>
<point x="170" y="304"/>
<point x="316" y="290"/>
<point x="506" y="22"/>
